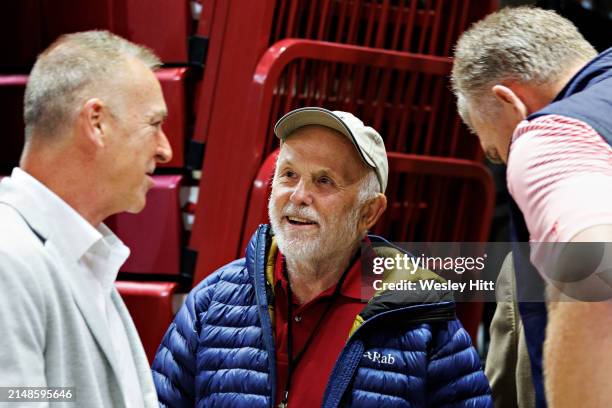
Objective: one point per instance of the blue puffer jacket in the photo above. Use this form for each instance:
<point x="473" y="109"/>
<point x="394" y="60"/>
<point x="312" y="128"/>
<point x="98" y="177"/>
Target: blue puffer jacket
<point x="219" y="351"/>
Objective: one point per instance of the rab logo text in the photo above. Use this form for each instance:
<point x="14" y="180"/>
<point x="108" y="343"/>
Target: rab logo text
<point x="376" y="357"/>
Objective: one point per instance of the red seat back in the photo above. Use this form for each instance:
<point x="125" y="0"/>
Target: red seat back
<point x="154" y="235"/>
<point x="28" y="26"/>
<point x="174" y="82"/>
<point x="151" y="305"/>
<point x="12" y="88"/>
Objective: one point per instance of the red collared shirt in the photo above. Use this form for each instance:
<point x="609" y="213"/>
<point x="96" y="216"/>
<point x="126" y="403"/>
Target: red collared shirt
<point x="312" y="373"/>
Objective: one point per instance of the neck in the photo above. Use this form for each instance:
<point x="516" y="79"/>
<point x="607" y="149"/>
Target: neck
<point x="537" y="97"/>
<point x="66" y="181"/>
<point x="309" y="278"/>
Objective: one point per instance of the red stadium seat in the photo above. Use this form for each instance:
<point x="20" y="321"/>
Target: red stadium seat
<point x="419" y="194"/>
<point x="29" y="26"/>
<point x="151" y="305"/>
<point x="258" y="202"/>
<point x="173" y="83"/>
<point x="240" y="32"/>
<point x="161" y="25"/>
<point x="406" y="97"/>
<point x="154" y="235"/>
<point x="420" y="26"/>
<point x="20" y="34"/>
<point x="12" y="88"/>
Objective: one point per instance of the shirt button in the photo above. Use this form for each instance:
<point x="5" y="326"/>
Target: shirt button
<point x="298" y="318"/>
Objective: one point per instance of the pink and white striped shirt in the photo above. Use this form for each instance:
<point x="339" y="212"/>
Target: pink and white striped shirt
<point x="560" y="175"/>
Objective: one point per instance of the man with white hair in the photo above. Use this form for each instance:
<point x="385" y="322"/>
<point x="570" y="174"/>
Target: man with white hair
<point x="93" y="111"/>
<point x="538" y="96"/>
<point x="290" y="325"/>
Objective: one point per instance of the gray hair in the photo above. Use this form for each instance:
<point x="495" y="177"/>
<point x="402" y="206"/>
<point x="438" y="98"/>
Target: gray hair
<point x="369" y="188"/>
<point x="69" y="70"/>
<point x="523" y="44"/>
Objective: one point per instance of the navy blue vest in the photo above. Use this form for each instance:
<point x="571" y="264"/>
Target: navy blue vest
<point x="587" y="97"/>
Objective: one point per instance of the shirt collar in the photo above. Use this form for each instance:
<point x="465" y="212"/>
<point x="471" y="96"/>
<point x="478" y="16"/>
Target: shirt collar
<point x="105" y="257"/>
<point x="351" y="287"/>
<point x="70" y="232"/>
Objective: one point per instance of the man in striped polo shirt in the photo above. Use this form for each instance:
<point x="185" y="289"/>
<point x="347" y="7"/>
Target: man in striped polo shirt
<point x="540" y="100"/>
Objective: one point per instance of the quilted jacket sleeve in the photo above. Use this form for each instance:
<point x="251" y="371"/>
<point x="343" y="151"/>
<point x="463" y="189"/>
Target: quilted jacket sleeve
<point x="454" y="373"/>
<point x="175" y="360"/>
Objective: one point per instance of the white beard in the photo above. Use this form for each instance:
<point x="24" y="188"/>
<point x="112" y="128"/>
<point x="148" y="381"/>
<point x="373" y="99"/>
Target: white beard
<point x="336" y="236"/>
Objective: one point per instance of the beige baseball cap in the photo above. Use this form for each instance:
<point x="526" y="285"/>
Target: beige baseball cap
<point x="368" y="142"/>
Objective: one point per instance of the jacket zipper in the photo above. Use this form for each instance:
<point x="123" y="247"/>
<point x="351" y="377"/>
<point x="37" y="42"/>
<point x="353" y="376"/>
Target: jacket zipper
<point x="442" y="312"/>
<point x="264" y="317"/>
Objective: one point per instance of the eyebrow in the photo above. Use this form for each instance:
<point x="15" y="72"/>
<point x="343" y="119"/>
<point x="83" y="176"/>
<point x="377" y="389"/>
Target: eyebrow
<point x="327" y="171"/>
<point x="284" y="162"/>
<point x="163" y="113"/>
<point x="324" y="171"/>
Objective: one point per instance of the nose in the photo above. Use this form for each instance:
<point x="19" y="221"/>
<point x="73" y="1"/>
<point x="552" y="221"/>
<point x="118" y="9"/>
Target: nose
<point x="163" y="152"/>
<point x="301" y="194"/>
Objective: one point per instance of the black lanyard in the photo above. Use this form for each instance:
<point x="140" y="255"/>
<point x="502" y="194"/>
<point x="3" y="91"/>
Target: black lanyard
<point x="293" y="362"/>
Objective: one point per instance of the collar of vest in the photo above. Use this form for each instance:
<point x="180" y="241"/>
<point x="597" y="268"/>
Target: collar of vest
<point x="586" y="96"/>
<point x="595" y="71"/>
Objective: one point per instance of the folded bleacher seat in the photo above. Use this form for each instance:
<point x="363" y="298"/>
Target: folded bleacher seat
<point x="154" y="235"/>
<point x="12" y="88"/>
<point x="152" y="306"/>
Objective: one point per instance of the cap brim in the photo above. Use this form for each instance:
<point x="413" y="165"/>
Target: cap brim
<point x="316" y="116"/>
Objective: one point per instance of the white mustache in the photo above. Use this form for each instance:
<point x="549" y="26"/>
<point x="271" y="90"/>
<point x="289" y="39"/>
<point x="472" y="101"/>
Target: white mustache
<point x="291" y="210"/>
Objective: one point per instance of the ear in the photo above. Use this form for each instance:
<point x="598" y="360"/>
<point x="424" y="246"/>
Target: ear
<point x="371" y="211"/>
<point x="92" y="123"/>
<point x="510" y="100"/>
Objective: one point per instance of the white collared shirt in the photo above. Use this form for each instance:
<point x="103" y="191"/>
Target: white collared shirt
<point x="99" y="254"/>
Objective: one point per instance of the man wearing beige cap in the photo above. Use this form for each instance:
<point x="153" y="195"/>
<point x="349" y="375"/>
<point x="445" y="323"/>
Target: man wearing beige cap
<point x="293" y="323"/>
